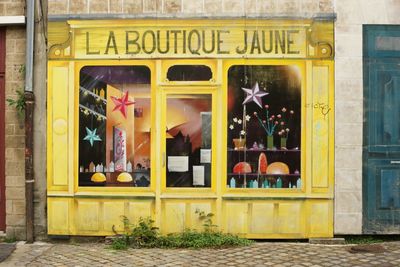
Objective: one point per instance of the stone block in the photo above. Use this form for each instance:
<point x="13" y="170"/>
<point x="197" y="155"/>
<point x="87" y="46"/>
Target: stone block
<point x="132" y="6"/>
<point x="15" y="154"/>
<point x="267" y="6"/>
<point x="153" y="6"/>
<point x="250" y="6"/>
<point x="15" y="181"/>
<point x="15" y="32"/>
<point x="2" y="9"/>
<point x="14" y="168"/>
<point x="15" y="220"/>
<point x="18" y="207"/>
<point x="374" y="12"/>
<point x="98" y="6"/>
<point x="327" y="241"/>
<point x="348" y="179"/>
<point x="9" y="129"/>
<point x="116" y="6"/>
<point x="192" y="7"/>
<point x="348" y="201"/>
<point x="9" y="206"/>
<point x="57" y="7"/>
<point x="348" y="67"/>
<point x="349" y="12"/>
<point x="348" y="223"/>
<point x="348" y="112"/>
<point x="309" y="6"/>
<point x="233" y="6"/>
<point x="288" y="6"/>
<point x="212" y="6"/>
<point x="15" y="141"/>
<point x="172" y="6"/>
<point x="15" y="193"/>
<point x="349" y="90"/>
<point x="78" y="7"/>
<point x="348" y="45"/>
<point x="393" y="11"/>
<point x="15" y="9"/>
<point x="348" y="157"/>
<point x="325" y="6"/>
<point x="348" y="134"/>
<point x="17" y="232"/>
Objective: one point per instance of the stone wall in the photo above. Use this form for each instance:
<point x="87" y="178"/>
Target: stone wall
<point x="15" y="134"/>
<point x="351" y="15"/>
<point x="185" y="7"/>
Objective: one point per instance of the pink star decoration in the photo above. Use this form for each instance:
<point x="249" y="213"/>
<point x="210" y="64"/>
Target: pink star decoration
<point x="121" y="103"/>
<point x="254" y="95"/>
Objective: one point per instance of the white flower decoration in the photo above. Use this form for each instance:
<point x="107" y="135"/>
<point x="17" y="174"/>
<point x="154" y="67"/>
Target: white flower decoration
<point x="240" y="121"/>
<point x="231" y="127"/>
<point x="247" y="117"/>
<point x="242" y="132"/>
<point x="235" y="119"/>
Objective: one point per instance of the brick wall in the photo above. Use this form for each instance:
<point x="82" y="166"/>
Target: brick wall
<point x="12" y="7"/>
<point x="208" y="7"/>
<point x="14" y="135"/>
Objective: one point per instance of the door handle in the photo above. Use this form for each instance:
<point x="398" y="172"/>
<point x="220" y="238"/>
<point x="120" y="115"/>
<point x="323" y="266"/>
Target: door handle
<point x="163" y="159"/>
<point x="395" y="162"/>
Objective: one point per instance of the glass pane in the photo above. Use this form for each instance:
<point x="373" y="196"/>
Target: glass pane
<point x="188" y="140"/>
<point x="114" y="126"/>
<point x="189" y="73"/>
<point x="264" y="106"/>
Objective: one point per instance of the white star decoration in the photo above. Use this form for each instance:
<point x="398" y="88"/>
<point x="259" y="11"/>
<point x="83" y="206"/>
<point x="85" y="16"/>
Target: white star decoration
<point x="254" y="94"/>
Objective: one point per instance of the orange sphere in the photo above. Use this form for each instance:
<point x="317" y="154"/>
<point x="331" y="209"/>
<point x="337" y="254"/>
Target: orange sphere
<point x="277" y="168"/>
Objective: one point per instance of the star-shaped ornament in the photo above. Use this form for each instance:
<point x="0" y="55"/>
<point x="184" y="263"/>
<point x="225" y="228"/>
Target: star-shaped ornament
<point x="254" y="95"/>
<point x="91" y="136"/>
<point x="121" y="103"/>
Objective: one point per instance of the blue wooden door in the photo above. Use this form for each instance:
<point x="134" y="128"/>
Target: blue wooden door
<point x="381" y="144"/>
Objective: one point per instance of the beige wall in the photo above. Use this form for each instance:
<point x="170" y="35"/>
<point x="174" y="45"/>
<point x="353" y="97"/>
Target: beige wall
<point x="351" y="15"/>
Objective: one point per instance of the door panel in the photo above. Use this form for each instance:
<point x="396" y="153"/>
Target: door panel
<point x="381" y="151"/>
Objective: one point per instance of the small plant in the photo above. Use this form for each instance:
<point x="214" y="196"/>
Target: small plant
<point x="145" y="235"/>
<point x="207" y="220"/>
<point x="19" y="103"/>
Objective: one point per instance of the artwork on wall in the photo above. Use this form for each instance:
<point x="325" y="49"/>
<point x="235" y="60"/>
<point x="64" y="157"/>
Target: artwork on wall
<point x="264" y="130"/>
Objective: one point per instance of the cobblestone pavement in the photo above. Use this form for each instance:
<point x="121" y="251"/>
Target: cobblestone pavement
<point x="259" y="254"/>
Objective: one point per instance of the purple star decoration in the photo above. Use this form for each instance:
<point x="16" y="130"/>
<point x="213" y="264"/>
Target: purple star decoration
<point x="254" y="94"/>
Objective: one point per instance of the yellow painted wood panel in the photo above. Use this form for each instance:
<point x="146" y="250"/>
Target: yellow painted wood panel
<point x="235" y="217"/>
<point x="289" y="219"/>
<point x="60" y="126"/>
<point x="262" y="218"/>
<point x="87" y="215"/>
<point x="140" y="209"/>
<point x="320" y="218"/>
<point x="113" y="212"/>
<point x="195" y="222"/>
<point x="58" y="216"/>
<point x="320" y="126"/>
<point x="174" y="217"/>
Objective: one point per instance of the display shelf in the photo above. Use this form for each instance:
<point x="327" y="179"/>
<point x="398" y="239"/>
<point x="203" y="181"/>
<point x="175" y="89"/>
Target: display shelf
<point x="93" y="94"/>
<point x="134" y="171"/>
<point x="93" y="112"/>
<point x="263" y="150"/>
<point x="264" y="175"/>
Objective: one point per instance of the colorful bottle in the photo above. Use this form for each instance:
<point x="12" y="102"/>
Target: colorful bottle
<point x="232" y="183"/>
<point x="255" y="184"/>
<point x="298" y="183"/>
<point x="279" y="182"/>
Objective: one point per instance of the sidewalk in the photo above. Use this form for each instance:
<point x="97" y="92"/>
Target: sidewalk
<point x="259" y="254"/>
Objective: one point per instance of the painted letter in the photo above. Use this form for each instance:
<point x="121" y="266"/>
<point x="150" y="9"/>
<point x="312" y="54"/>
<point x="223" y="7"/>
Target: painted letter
<point x="132" y="42"/>
<point x="220" y="42"/>
<point x="244" y="50"/>
<point x="88" y="52"/>
<point x="111" y="38"/>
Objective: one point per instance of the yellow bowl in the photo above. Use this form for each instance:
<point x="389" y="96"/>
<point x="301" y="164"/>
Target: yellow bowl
<point x="277" y="168"/>
<point x="98" y="177"/>
<point x="124" y="177"/>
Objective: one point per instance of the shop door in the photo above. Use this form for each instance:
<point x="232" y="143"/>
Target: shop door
<point x="188" y="140"/>
<point x="381" y="177"/>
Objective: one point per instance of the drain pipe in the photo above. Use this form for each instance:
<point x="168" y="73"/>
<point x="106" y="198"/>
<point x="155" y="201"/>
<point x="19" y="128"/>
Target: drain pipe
<point x="29" y="107"/>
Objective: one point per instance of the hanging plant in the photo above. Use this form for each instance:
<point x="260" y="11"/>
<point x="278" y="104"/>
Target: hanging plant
<point x="19" y="103"/>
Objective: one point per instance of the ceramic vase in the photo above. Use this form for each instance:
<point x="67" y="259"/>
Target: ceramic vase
<point x="239" y="143"/>
<point x="283" y="142"/>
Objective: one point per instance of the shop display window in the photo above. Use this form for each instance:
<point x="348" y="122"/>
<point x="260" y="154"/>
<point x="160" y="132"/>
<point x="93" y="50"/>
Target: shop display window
<point x="188" y="140"/>
<point x="264" y="127"/>
<point x="114" y="126"/>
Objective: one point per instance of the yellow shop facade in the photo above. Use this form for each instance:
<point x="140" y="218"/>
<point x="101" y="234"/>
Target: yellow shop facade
<point x="164" y="118"/>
